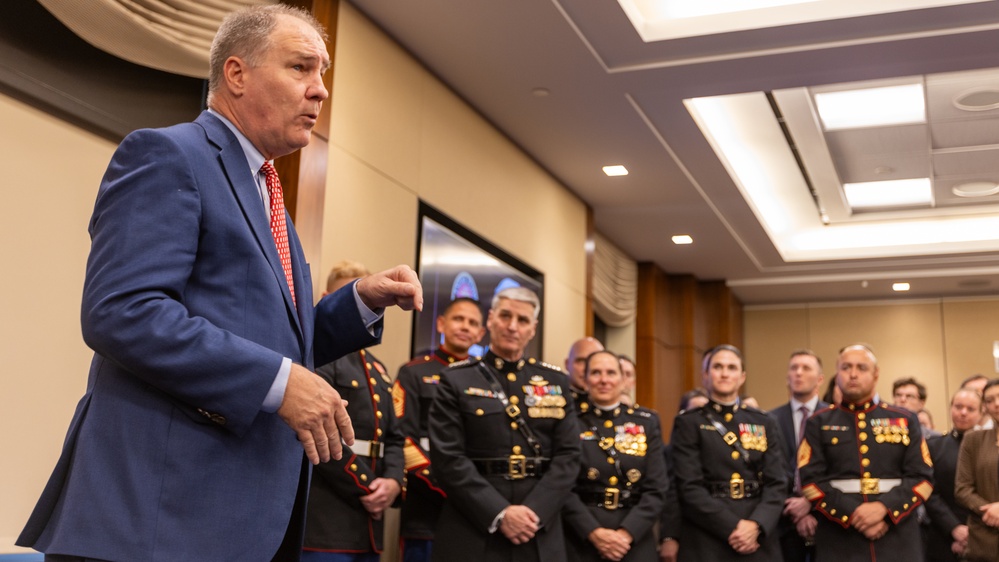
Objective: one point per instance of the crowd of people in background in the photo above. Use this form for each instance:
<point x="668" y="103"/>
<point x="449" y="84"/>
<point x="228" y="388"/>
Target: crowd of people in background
<point x="509" y="458"/>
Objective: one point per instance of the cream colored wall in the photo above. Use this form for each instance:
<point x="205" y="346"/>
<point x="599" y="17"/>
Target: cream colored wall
<point x="398" y="136"/>
<point x="938" y="341"/>
<point x="52" y="172"/>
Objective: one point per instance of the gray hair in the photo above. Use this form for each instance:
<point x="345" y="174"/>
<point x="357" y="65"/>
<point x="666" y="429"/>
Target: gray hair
<point x="522" y="294"/>
<point x="245" y="33"/>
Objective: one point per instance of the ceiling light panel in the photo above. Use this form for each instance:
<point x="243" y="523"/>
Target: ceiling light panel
<point x="615" y="171"/>
<point x="883" y="194"/>
<point x="658" y="20"/>
<point x="871" y="107"/>
<point x="681" y="239"/>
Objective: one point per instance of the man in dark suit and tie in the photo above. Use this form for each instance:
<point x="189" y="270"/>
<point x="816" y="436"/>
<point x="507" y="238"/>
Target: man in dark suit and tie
<point x="188" y="443"/>
<point x="797" y="524"/>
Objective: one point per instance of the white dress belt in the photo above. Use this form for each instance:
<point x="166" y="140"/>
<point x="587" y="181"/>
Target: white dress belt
<point x="866" y="485"/>
<point x="375" y="449"/>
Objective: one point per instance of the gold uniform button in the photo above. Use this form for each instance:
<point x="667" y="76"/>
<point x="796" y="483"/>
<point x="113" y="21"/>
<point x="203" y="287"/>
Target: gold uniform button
<point x="863" y="449"/>
<point x="516" y="449"/>
<point x="861" y="416"/>
<point x="608" y="424"/>
<point x="832" y="512"/>
<point x="905" y="506"/>
<point x="364" y="478"/>
<point x="863" y="436"/>
<point x="631" y="411"/>
<point x="895" y="513"/>
<point x="377" y="398"/>
<point x="612" y="480"/>
<point x="610" y="460"/>
<point x="511" y="377"/>
<point x="373" y="381"/>
<point x="514" y="400"/>
<point x="367" y="366"/>
<point x="914" y="500"/>
<point x="425" y="472"/>
<point x="478" y="412"/>
<point x="823" y="505"/>
<point x="728" y="416"/>
<point x="865" y="462"/>
<point x="735" y="454"/>
<point x="379" y="432"/>
<point x="513" y="425"/>
<point x="844" y="518"/>
<point x="835" y="440"/>
<point x="353" y="384"/>
<point x="353" y="467"/>
<point x="378" y="414"/>
<point x="861" y="424"/>
<point x="867" y="475"/>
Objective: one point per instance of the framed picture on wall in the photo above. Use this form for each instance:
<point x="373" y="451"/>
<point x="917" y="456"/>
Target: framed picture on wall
<point x="455" y="262"/>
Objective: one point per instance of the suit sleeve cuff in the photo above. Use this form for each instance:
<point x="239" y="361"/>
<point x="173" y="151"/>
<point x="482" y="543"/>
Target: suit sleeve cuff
<point x="368" y="316"/>
<point x="275" y="396"/>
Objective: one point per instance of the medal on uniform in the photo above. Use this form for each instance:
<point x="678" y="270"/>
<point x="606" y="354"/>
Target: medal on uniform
<point x="634" y="475"/>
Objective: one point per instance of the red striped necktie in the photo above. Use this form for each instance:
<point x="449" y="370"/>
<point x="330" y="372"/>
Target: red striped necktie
<point x="279" y="228"/>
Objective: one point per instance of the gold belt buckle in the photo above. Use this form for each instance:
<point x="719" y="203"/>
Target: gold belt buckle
<point x="870" y="485"/>
<point x="737" y="487"/>
<point x="611" y="497"/>
<point x="518" y="467"/>
<point x="512" y="410"/>
<point x="375" y="449"/>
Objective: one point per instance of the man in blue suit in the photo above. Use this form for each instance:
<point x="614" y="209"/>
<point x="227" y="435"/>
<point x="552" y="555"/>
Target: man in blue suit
<point x="797" y="524"/>
<point x="188" y="444"/>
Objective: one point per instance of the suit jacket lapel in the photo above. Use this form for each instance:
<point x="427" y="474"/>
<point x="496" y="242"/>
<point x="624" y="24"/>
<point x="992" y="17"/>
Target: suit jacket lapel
<point x="245" y="190"/>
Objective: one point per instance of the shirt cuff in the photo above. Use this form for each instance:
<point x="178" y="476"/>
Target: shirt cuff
<point x="275" y="396"/>
<point x="368" y="316"/>
<point x="496" y="521"/>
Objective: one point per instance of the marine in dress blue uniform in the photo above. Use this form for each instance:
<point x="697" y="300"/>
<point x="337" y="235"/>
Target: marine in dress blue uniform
<point x="730" y="472"/>
<point x="866" y="468"/>
<point x="622" y="480"/>
<point x="505" y="446"/>
<point x="413" y="393"/>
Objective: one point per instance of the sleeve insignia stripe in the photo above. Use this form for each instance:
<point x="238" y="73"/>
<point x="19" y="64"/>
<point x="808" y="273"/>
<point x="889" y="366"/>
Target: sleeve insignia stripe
<point x="399" y="400"/>
<point x="812" y="493"/>
<point x="926" y="453"/>
<point x="924" y="490"/>
<point x="414" y="457"/>
<point x="804" y="454"/>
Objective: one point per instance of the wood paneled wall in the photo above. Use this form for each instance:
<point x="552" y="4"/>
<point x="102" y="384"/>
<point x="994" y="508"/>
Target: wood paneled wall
<point x="679" y="318"/>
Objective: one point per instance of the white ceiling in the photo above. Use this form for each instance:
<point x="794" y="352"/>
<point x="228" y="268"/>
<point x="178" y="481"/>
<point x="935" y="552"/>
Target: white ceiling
<point x="616" y="99"/>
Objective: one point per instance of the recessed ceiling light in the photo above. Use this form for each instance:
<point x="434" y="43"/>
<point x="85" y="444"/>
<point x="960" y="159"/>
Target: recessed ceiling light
<point x="977" y="99"/>
<point x="893" y="193"/>
<point x="683" y="239"/>
<point x="975" y="189"/>
<point x="616" y="170"/>
<point x="871" y="107"/>
<point x="541" y="92"/>
<point x="900" y="286"/>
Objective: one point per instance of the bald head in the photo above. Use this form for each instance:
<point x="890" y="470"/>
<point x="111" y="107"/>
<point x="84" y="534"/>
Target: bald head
<point x="575" y="363"/>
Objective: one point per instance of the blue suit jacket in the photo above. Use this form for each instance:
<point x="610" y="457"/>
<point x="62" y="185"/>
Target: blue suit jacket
<point x="169" y="455"/>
